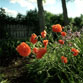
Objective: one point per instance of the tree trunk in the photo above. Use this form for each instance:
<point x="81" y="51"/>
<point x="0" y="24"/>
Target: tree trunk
<point x="41" y="15"/>
<point x="66" y="22"/>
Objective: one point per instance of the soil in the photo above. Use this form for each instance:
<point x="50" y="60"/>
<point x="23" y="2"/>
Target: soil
<point x="15" y="71"/>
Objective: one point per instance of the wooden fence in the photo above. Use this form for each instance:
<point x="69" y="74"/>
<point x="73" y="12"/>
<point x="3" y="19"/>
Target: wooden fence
<point x="18" y="31"/>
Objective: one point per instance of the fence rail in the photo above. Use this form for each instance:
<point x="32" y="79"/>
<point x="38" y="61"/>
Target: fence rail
<point x="18" y="31"/>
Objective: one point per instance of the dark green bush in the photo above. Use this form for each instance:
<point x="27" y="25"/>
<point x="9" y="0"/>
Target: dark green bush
<point x="8" y="51"/>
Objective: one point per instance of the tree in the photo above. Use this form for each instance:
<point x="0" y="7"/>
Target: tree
<point x="19" y="18"/>
<point x="41" y="15"/>
<point x="2" y="15"/>
<point x="48" y="17"/>
<point x="2" y="21"/>
<point x="65" y="14"/>
<point x="32" y="21"/>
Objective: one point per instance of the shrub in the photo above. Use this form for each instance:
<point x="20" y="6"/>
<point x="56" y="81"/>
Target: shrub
<point x="52" y="67"/>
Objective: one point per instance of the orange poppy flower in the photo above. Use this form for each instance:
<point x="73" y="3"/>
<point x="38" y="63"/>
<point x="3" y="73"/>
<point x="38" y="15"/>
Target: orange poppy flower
<point x="63" y="34"/>
<point x="41" y="53"/>
<point x="35" y="50"/>
<point x="23" y="49"/>
<point x="61" y="41"/>
<point x="64" y="59"/>
<point x="43" y="34"/>
<point x="75" y="51"/>
<point x="33" y="38"/>
<point x="56" y="28"/>
<point x="45" y="42"/>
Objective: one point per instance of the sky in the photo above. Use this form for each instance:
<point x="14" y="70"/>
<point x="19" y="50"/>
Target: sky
<point x="13" y="7"/>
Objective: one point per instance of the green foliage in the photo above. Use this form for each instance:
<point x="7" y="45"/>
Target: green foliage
<point x="32" y="20"/>
<point x="2" y="80"/>
<point x="50" y="69"/>
<point x="57" y="19"/>
<point x="48" y="17"/>
<point x="7" y="51"/>
<point x="78" y="22"/>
